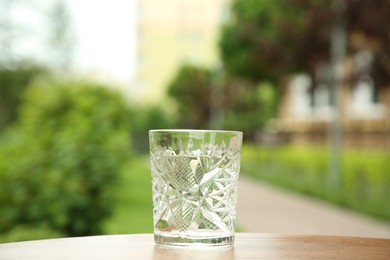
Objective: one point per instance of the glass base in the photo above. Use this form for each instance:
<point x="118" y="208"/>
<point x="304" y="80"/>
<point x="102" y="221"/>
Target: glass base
<point x="204" y="242"/>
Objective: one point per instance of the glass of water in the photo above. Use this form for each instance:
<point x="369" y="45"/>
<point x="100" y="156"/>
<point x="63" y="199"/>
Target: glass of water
<point x="194" y="184"/>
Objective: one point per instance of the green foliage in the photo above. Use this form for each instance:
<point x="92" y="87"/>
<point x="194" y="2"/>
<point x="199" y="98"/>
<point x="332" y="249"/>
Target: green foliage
<point x="365" y="177"/>
<point x="264" y="39"/>
<point x="13" y="81"/>
<point x="268" y="39"/>
<point x="246" y="107"/>
<point x="142" y="119"/>
<point x="61" y="158"/>
<point x="191" y="88"/>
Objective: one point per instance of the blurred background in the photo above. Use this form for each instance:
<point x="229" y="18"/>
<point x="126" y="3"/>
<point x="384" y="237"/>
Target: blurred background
<point x="81" y="83"/>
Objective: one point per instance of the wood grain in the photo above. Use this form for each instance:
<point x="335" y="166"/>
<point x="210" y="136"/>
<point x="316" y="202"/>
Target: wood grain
<point x="247" y="246"/>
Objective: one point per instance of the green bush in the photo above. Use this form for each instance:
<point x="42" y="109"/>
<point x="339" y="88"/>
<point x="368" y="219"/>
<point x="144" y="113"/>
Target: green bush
<point x="13" y="81"/>
<point x="61" y="158"/>
<point x="249" y="107"/>
<point x="191" y="90"/>
<point x="143" y="119"/>
<point x="365" y="175"/>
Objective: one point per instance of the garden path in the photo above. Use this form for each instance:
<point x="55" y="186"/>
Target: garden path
<point x="265" y="208"/>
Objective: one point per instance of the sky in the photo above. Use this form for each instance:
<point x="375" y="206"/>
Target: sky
<point x="106" y="37"/>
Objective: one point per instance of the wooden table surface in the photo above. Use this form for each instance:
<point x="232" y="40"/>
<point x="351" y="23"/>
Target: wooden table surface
<point x="246" y="246"/>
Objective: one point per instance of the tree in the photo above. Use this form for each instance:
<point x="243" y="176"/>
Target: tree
<point x="19" y="68"/>
<point x="13" y="82"/>
<point x="191" y="90"/>
<point x="371" y="19"/>
<point x="268" y="39"/>
<point x="246" y="106"/>
<point x="265" y="41"/>
<point x="272" y="39"/>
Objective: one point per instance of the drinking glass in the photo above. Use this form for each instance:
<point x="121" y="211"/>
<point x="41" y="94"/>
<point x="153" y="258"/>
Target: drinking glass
<point x="194" y="185"/>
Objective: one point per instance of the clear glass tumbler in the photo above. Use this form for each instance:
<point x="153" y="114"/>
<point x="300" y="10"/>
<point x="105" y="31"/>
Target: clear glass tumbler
<point x="194" y="180"/>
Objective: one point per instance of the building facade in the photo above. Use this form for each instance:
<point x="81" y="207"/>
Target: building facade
<point x="306" y="112"/>
<point x="170" y="33"/>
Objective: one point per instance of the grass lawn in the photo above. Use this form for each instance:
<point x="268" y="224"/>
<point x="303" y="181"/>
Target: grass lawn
<point x="133" y="209"/>
<point x="364" y="181"/>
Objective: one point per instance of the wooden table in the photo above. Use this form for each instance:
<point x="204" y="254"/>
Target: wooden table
<point x="247" y="246"/>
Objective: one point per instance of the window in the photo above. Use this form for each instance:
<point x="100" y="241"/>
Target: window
<point x="300" y="96"/>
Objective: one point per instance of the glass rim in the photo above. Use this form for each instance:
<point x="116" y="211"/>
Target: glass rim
<point x="195" y="131"/>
